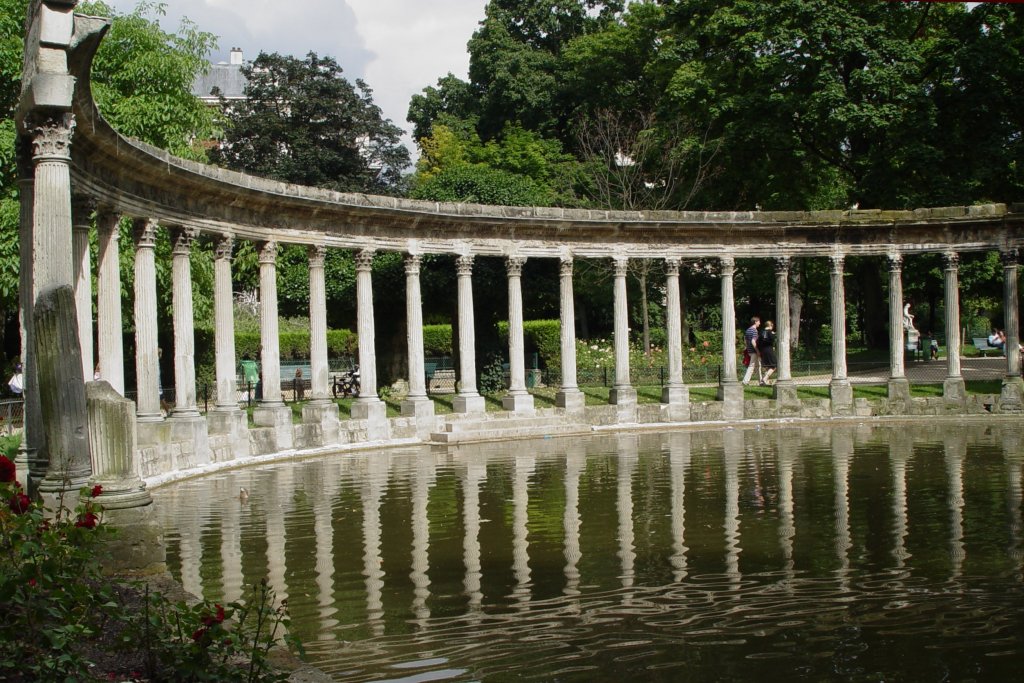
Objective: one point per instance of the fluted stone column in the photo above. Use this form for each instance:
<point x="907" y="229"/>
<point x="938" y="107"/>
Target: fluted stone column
<point x="81" y="213"/>
<point x="785" y="388"/>
<point x="271" y="411"/>
<point x="730" y="391"/>
<point x="367" y="405"/>
<point x="184" y="326"/>
<point x="899" y="387"/>
<point x="569" y="395"/>
<point x="467" y="400"/>
<point x="416" y="404"/>
<point x="953" y="389"/>
<point x="1012" y="395"/>
<point x="675" y="394"/>
<point x="517" y="399"/>
<point x="147" y="364"/>
<point x="320" y="409"/>
<point x="840" y="387"/>
<point x="109" y="321"/>
<point x="49" y="252"/>
<point x="622" y="393"/>
<point x="226" y="417"/>
<point x="32" y="436"/>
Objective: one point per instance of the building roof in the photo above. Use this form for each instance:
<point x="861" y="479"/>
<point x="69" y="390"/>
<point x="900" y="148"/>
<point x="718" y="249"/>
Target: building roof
<point x="224" y="80"/>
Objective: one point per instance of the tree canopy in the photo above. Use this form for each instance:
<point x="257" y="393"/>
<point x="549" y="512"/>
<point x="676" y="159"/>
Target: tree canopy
<point x="302" y="122"/>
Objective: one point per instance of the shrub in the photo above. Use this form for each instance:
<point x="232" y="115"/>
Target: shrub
<point x="543" y="335"/>
<point x="437" y="340"/>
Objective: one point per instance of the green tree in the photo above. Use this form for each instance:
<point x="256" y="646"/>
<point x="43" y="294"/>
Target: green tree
<point x="302" y="122"/>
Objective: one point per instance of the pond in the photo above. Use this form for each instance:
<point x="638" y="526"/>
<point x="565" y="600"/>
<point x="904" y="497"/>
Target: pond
<point x="853" y="552"/>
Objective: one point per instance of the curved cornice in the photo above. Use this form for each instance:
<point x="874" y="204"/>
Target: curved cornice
<point x="140" y="180"/>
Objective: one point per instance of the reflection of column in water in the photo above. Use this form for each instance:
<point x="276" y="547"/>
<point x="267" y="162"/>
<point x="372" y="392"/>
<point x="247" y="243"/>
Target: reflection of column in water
<point x="279" y="488"/>
<point x="955" y="449"/>
<point x="231" y="541"/>
<point x="842" y="452"/>
<point x="371" y="494"/>
<point x="575" y="461"/>
<point x="424" y="477"/>
<point x="786" y="445"/>
<point x="475" y="474"/>
<point x="326" y="478"/>
<point x="191" y="548"/>
<point x="524" y="468"/>
<point x="732" y="452"/>
<point x="901" y="447"/>
<point x="627" y="448"/>
<point x="1012" y="457"/>
<point x="679" y="462"/>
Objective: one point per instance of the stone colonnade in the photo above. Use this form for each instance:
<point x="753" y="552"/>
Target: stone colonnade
<point x="272" y="412"/>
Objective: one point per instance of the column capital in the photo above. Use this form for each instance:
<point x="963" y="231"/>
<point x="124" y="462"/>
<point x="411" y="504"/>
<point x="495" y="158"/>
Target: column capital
<point x="82" y="206"/>
<point x="144" y="232"/>
<point x="621" y="264"/>
<point x="224" y="246"/>
<point x="727" y="264"/>
<point x="181" y="240"/>
<point x="364" y="260"/>
<point x="950" y="260"/>
<point x="782" y="264"/>
<point x="514" y="266"/>
<point x="412" y="264"/>
<point x="51" y="136"/>
<point x="895" y="260"/>
<point x="317" y="255"/>
<point x="464" y="265"/>
<point x="836" y="263"/>
<point x="565" y="266"/>
<point x="672" y="266"/>
<point x="1010" y="258"/>
<point x="107" y="215"/>
<point x="268" y="253"/>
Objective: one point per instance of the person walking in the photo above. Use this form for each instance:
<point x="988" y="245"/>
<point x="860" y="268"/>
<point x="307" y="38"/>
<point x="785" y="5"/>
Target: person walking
<point x="251" y="375"/>
<point x="753" y="355"/>
<point x="766" y="345"/>
<point x="17" y="381"/>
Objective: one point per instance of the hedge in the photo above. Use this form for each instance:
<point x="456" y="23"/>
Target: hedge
<point x="295" y="345"/>
<point x="437" y="340"/>
<point x="544" y="335"/>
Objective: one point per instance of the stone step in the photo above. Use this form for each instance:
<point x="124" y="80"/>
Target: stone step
<point x="505" y="423"/>
<point x="500" y="429"/>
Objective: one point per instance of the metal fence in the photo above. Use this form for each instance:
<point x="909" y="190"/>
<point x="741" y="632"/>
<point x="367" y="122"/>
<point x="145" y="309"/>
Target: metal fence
<point x="12" y="415"/>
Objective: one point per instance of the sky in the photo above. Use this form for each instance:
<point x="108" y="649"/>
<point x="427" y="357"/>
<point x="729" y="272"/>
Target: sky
<point x="397" y="46"/>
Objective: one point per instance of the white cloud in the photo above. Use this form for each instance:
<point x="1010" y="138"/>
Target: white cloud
<point x="397" y="46"/>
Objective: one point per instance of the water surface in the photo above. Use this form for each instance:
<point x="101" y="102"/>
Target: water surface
<point x="847" y="553"/>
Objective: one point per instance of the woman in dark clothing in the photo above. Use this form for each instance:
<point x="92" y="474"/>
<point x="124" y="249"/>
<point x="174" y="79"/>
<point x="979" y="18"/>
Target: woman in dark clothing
<point x="766" y="345"/>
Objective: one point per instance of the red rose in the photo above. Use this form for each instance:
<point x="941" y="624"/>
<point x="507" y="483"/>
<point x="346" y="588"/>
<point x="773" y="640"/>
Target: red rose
<point x="220" y="614"/>
<point x="32" y="583"/>
<point x="87" y="520"/>
<point x="8" y="472"/>
<point x="19" y="503"/>
<point x="97" y="490"/>
<point x="198" y="634"/>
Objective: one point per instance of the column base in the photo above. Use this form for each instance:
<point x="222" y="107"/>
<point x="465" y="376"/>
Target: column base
<point x="899" y="389"/>
<point x="954" y="390"/>
<point x="675" y="395"/>
<point x="731" y="396"/>
<point x="278" y="417"/>
<point x="184" y="412"/>
<point x="1011" y="398"/>
<point x="841" y="392"/>
<point x="149" y="417"/>
<point x="192" y="430"/>
<point x="324" y="413"/>
<point x="421" y="410"/>
<point x="518" y="402"/>
<point x="570" y="399"/>
<point x="787" y="402"/>
<point x="375" y="412"/>
<point x="468" y="403"/>
<point x="138" y="545"/>
<point x="233" y="423"/>
<point x="622" y="396"/>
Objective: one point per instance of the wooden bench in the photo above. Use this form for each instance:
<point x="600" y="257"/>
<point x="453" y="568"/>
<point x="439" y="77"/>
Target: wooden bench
<point x="981" y="343"/>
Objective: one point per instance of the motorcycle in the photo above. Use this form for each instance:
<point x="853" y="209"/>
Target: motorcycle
<point x="347" y="384"/>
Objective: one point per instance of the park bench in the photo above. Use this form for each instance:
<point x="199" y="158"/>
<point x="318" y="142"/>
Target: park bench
<point x="981" y="343"/>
